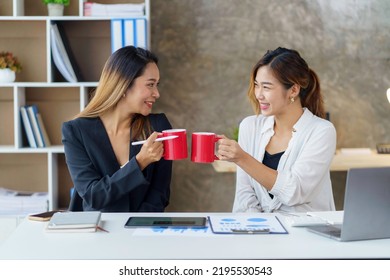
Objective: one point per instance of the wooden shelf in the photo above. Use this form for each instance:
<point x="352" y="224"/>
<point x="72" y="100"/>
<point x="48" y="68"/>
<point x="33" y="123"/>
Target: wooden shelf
<point x="343" y="162"/>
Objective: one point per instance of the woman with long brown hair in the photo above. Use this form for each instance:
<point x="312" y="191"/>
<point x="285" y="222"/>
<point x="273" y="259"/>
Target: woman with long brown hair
<point x="284" y="151"/>
<point x="108" y="173"/>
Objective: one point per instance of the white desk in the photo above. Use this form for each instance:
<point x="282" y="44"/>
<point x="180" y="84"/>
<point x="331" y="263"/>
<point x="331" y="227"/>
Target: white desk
<point x="30" y="241"/>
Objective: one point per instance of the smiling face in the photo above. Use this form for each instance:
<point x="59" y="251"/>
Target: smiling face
<point x="272" y="96"/>
<point x="141" y="96"/>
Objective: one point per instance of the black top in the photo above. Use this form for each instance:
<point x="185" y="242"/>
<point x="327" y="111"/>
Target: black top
<point x="272" y="161"/>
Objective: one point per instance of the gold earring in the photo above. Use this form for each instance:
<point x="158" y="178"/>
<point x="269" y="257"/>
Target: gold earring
<point x="292" y="99"/>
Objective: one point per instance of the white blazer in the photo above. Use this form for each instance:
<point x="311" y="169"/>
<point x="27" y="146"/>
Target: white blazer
<point x="303" y="181"/>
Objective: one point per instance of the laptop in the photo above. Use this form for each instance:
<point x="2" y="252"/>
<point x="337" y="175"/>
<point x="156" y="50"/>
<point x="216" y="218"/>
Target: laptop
<point x="366" y="207"/>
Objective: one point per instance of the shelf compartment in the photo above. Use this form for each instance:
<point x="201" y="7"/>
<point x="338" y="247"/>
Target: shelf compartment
<point x="6" y="8"/>
<point x="90" y="46"/>
<point x="19" y="172"/>
<point x="38" y="8"/>
<point x="15" y="36"/>
<point x="56" y="105"/>
<point x="41" y="173"/>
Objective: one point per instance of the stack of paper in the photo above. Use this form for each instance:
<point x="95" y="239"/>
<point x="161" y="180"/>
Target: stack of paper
<point x="22" y="203"/>
<point x="122" y="10"/>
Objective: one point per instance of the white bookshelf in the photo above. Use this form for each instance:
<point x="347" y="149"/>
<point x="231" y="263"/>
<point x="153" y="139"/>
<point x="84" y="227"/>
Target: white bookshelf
<point x="26" y="33"/>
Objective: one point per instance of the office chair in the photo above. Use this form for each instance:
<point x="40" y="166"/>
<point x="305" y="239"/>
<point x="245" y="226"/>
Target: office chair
<point x="76" y="202"/>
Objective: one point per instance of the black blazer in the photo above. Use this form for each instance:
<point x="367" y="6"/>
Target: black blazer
<point x="98" y="179"/>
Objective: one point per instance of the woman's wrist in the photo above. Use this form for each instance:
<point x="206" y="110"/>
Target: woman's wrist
<point x="142" y="163"/>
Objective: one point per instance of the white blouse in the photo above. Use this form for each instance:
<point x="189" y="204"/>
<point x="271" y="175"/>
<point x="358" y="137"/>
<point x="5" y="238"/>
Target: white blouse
<point x="303" y="181"/>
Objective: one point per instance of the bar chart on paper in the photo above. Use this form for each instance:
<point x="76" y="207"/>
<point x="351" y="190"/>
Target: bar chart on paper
<point x="246" y="224"/>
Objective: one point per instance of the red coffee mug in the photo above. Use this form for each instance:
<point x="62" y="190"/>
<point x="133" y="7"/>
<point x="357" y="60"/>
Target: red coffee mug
<point x="203" y="147"/>
<point x="175" y="149"/>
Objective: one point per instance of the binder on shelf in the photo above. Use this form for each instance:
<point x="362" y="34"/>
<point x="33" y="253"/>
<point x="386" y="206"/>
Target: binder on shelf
<point x="128" y="32"/>
<point x="116" y="34"/>
<point x="140" y="33"/>
<point x="62" y="54"/>
<point x="38" y="127"/>
<point x="32" y="111"/>
<point x="28" y="127"/>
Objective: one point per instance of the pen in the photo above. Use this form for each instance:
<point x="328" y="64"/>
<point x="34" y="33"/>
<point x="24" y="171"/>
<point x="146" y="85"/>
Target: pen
<point x="157" y="140"/>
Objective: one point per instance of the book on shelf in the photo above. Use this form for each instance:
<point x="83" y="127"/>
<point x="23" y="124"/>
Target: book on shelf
<point x="85" y="221"/>
<point x="62" y="54"/>
<point x="35" y="126"/>
<point x="28" y="127"/>
<point x="32" y="111"/>
<point x="117" y="34"/>
<point x="121" y="10"/>
<point x="128" y="32"/>
<point x="140" y="33"/>
<point x="43" y="130"/>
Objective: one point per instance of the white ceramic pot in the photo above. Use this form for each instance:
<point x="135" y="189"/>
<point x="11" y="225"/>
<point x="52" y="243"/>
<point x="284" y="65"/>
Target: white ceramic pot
<point x="7" y="75"/>
<point x="55" y="10"/>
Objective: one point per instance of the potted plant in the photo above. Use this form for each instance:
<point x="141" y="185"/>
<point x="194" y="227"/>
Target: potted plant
<point x="56" y="7"/>
<point x="9" y="65"/>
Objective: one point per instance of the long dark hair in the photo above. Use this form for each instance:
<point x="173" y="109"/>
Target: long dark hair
<point x="118" y="75"/>
<point x="290" y="68"/>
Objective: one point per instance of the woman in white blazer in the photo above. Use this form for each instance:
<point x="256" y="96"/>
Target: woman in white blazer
<point x="284" y="151"/>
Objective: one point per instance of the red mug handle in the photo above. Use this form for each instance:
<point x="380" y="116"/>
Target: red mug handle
<point x="216" y="140"/>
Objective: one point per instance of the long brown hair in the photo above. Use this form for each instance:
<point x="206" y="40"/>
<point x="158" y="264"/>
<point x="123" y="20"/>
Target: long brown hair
<point x="119" y="72"/>
<point x="290" y="68"/>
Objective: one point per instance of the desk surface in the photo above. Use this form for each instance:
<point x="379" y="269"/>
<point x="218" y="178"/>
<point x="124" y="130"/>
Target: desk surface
<point x="30" y="241"/>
